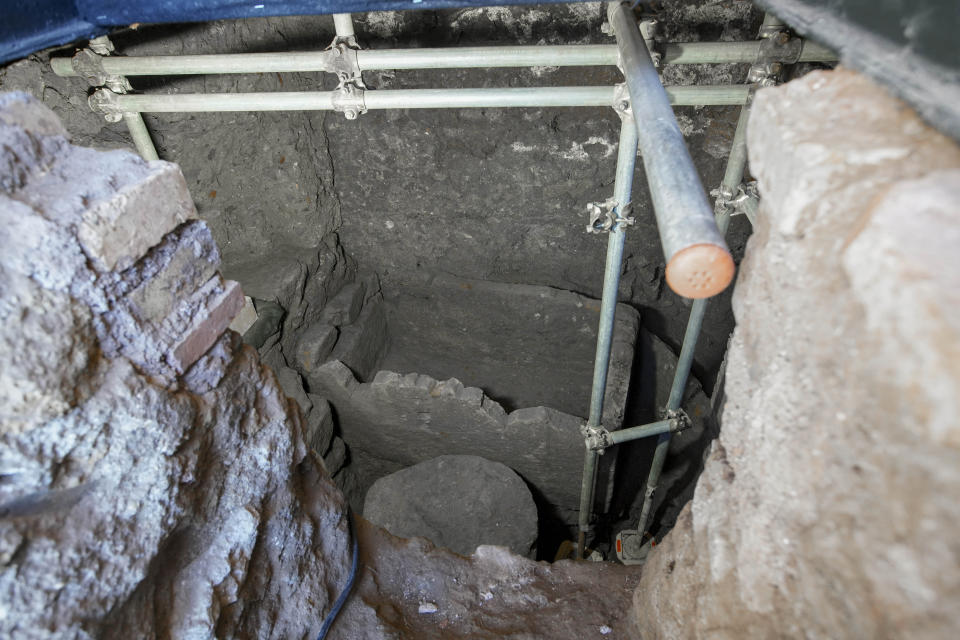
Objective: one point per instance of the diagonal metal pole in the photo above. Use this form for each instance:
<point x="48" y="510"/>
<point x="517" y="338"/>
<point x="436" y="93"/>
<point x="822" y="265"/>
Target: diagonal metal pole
<point x="699" y="265"/>
<point x="731" y="180"/>
<point x="733" y="176"/>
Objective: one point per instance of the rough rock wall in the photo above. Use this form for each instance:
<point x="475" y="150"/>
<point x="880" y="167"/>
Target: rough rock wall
<point x="524" y="345"/>
<point x="500" y="194"/>
<point x="411" y="418"/>
<point x="496" y="194"/>
<point x="261" y="181"/>
<point x="828" y="508"/>
<point x="154" y="480"/>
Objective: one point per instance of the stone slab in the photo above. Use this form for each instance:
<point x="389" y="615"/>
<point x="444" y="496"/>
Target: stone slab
<point x="524" y="345"/>
<point x="344" y="307"/>
<point x="411" y="418"/>
<point x="361" y="345"/>
<point x="457" y="502"/>
<point x="319" y="429"/>
<point x="314" y="347"/>
<point x="118" y="230"/>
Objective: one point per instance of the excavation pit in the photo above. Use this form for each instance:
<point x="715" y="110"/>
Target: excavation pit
<point x="472" y="367"/>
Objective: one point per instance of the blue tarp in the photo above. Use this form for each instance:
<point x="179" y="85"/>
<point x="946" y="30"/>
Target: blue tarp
<point x="31" y="25"/>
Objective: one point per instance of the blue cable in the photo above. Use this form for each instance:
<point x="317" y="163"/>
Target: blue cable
<point x="328" y="621"/>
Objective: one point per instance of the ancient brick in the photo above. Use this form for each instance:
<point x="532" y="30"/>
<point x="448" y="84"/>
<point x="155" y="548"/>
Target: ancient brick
<point x="207" y="326"/>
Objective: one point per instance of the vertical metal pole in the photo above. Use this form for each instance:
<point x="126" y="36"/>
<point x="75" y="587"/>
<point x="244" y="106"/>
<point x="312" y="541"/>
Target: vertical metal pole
<point x="141" y="136"/>
<point x="626" y="164"/>
<point x="343" y="23"/>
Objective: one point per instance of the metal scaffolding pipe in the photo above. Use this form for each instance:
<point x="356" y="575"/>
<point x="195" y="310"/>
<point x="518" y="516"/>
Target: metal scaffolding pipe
<point x="737" y="160"/>
<point x="680" y="376"/>
<point x="644" y="431"/>
<point x="444" y="58"/>
<point x="141" y="136"/>
<point x="489" y="97"/>
<point x="403" y="99"/>
<point x="622" y="192"/>
<point x="343" y="24"/>
<point x="202" y="102"/>
<point x="699" y="265"/>
<point x="732" y="177"/>
<point x="491" y="57"/>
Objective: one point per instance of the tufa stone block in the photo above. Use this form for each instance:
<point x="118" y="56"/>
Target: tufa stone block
<point x="314" y="347"/>
<point x="361" y="345"/>
<point x="345" y="306"/>
<point x="292" y="385"/>
<point x="458" y="502"/>
<point x="180" y="274"/>
<point x="246" y="318"/>
<point x="117" y="230"/>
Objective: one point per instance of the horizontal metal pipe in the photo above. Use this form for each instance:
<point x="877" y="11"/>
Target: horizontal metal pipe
<point x="479" y="57"/>
<point x="746" y="52"/>
<point x="570" y="55"/>
<point x="205" y="64"/>
<point x="201" y="102"/>
<point x="413" y="99"/>
<point x="492" y="97"/>
<point x="444" y="58"/>
<point x="644" y="431"/>
<point x="699" y="265"/>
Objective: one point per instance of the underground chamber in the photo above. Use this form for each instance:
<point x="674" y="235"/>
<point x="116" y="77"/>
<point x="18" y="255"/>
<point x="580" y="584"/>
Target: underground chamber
<point x="425" y="364"/>
<point x="477" y="267"/>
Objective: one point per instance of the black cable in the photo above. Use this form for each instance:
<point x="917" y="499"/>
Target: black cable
<point x="328" y="621"/>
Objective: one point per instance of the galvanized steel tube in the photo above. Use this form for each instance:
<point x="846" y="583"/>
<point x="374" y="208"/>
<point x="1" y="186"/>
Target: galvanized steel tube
<point x="737" y="160"/>
<point x="699" y="265"/>
<point x="491" y="97"/>
<point x="141" y="136"/>
<point x="623" y="187"/>
<point x="483" y="57"/>
<point x="205" y="64"/>
<point x="643" y="431"/>
<point x="343" y="24"/>
<point x="680" y="376"/>
<point x="203" y="102"/>
<point x="413" y="99"/>
<point x="569" y="55"/>
<point x="445" y="58"/>
<point x="541" y="97"/>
